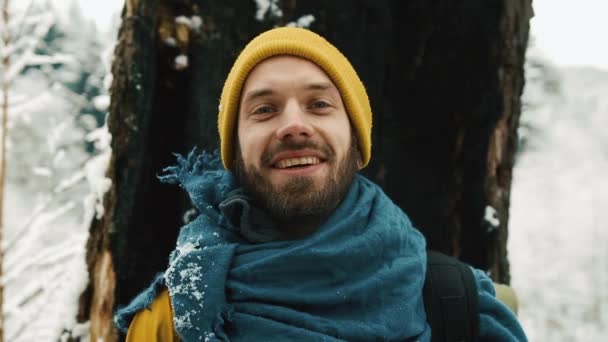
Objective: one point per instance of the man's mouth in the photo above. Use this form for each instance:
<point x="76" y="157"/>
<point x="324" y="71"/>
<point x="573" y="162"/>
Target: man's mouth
<point x="292" y="163"/>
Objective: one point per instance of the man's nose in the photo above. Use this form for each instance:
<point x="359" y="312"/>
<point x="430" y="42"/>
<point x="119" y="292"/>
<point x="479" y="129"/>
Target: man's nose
<point x="294" y="123"/>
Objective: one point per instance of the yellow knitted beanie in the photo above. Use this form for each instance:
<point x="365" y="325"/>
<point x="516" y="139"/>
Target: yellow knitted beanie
<point x="308" y="45"/>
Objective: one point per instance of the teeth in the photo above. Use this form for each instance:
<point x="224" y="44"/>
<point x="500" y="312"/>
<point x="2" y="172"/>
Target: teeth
<point x="285" y="163"/>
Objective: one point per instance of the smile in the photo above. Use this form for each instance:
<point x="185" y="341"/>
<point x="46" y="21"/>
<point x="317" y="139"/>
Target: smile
<point x="297" y="162"/>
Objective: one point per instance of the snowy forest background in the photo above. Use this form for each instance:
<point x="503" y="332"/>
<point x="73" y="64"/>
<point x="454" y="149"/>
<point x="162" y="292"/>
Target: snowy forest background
<point x="58" y="148"/>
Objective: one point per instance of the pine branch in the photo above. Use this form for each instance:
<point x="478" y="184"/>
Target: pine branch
<point x="24" y="229"/>
<point x="11" y="70"/>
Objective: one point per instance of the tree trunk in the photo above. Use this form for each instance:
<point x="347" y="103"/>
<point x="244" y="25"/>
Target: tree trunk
<point x="444" y="77"/>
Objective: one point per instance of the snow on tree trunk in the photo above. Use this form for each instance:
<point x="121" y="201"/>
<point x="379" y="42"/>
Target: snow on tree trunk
<point x="444" y="79"/>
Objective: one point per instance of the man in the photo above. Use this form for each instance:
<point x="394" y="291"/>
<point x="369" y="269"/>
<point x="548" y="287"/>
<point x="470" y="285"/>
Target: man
<point x="296" y="246"/>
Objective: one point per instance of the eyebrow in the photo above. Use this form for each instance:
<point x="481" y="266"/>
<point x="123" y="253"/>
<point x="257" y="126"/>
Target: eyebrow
<point x="319" y="86"/>
<point x="253" y="94"/>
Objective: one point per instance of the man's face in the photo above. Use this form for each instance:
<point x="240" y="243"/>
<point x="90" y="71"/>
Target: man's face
<point x="295" y="152"/>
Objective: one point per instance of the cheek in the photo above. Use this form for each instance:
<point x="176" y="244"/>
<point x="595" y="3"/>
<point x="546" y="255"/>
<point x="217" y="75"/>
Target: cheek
<point x="251" y="146"/>
<point x="345" y="144"/>
<point x="342" y="136"/>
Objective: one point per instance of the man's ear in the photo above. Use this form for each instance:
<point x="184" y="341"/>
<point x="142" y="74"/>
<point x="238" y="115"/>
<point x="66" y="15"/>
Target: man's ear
<point x="359" y="160"/>
<point x="354" y="140"/>
<point x="236" y="147"/>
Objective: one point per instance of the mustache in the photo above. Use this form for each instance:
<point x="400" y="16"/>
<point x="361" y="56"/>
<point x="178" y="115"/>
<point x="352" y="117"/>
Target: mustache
<point x="290" y="145"/>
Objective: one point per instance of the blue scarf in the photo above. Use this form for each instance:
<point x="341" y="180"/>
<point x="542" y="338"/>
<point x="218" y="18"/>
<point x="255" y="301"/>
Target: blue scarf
<point x="359" y="277"/>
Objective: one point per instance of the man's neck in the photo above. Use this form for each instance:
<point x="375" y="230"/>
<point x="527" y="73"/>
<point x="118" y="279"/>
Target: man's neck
<point x="301" y="227"/>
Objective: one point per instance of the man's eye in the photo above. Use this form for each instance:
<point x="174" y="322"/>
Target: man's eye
<point x="263" y="110"/>
<point x="319" y="105"/>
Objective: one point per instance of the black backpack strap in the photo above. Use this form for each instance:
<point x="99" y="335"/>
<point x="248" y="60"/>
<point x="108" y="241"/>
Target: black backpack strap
<point x="450" y="299"/>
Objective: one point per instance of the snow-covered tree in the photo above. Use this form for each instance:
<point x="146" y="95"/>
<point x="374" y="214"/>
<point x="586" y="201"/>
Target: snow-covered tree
<point x="557" y="240"/>
<point x="543" y="82"/>
<point x="56" y="157"/>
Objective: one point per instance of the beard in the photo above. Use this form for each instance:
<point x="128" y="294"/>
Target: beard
<point x="300" y="200"/>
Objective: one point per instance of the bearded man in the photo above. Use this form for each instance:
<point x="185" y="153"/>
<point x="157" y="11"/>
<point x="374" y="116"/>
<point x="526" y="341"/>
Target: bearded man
<point x="291" y="244"/>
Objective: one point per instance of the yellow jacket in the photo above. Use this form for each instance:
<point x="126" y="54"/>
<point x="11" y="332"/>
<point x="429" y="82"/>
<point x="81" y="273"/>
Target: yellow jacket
<point x="155" y="324"/>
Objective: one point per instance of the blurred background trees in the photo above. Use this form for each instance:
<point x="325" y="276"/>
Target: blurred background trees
<point x="54" y="102"/>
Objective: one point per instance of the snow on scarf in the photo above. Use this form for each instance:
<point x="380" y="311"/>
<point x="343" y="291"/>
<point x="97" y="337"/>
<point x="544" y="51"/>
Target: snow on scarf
<point x="359" y="277"/>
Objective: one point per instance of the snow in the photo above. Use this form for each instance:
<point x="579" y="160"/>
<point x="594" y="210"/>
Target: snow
<point x="181" y="62"/>
<point x="491" y="217"/>
<point x="210" y="337"/>
<point x="54" y="185"/>
<point x="558" y="245"/>
<point x="23" y="47"/>
<point x="303" y="21"/>
<point x="170" y="41"/>
<point x="196" y="22"/>
<point x="100" y="137"/>
<point x="182" y="322"/>
<point x="42" y="171"/>
<point x="183" y="20"/>
<point x="102" y="102"/>
<point x="99" y="184"/>
<point x="267" y="9"/>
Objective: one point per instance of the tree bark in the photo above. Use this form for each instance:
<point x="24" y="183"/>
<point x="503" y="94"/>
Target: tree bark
<point x="444" y="77"/>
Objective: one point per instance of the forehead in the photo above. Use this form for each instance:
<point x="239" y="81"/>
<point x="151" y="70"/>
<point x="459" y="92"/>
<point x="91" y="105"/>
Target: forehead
<point x="278" y="70"/>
